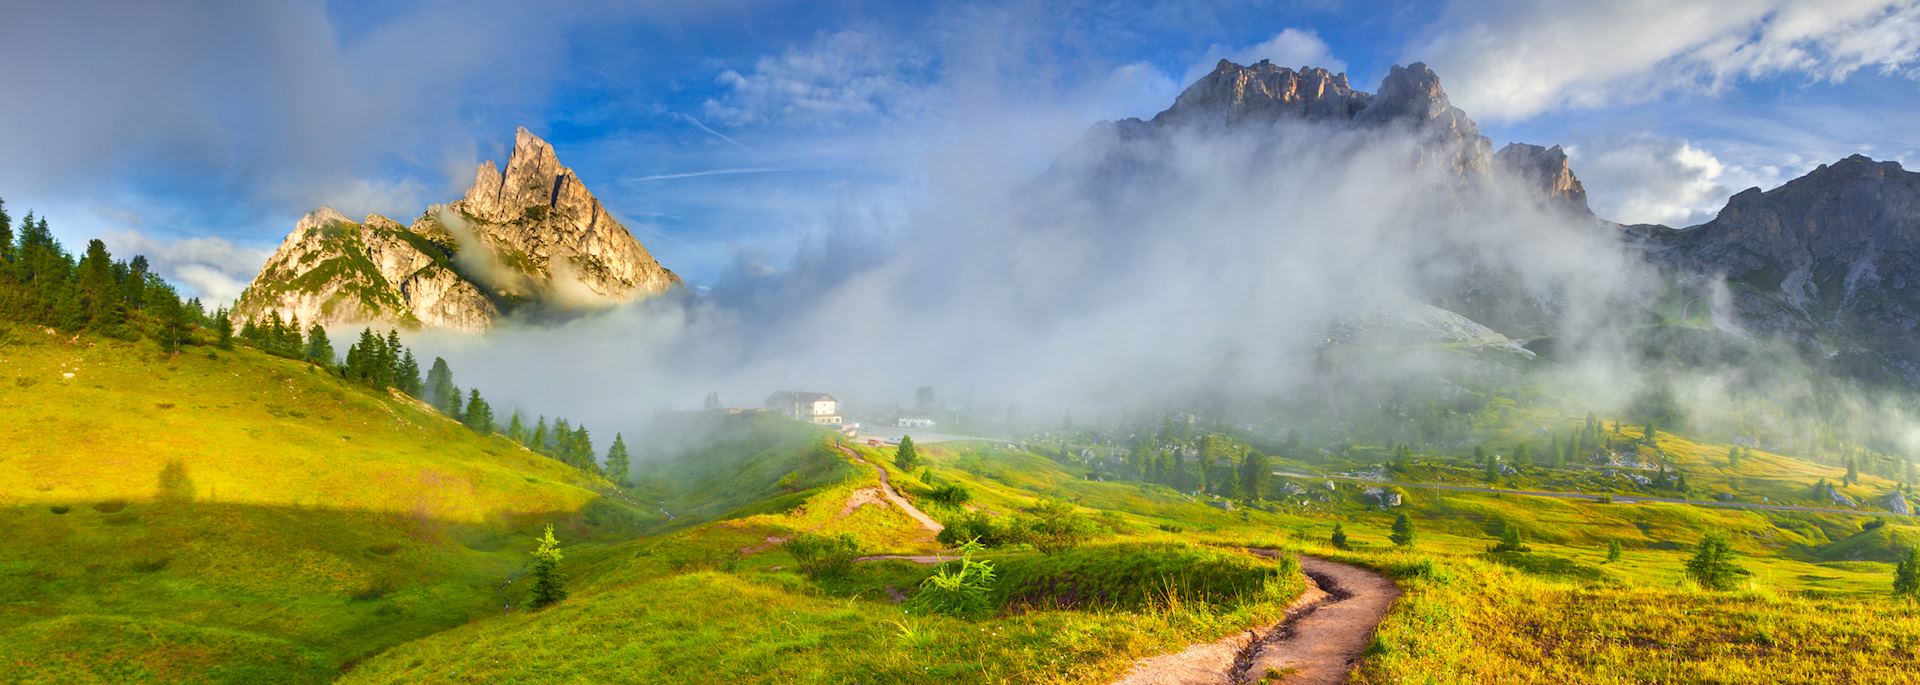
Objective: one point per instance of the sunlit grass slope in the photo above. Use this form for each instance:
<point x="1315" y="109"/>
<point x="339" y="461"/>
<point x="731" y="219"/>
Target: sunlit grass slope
<point x="689" y="607"/>
<point x="232" y="517"/>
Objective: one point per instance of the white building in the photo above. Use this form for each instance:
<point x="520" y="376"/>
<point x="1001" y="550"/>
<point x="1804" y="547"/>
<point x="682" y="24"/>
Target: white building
<point x="914" y="422"/>
<point x="812" y="407"/>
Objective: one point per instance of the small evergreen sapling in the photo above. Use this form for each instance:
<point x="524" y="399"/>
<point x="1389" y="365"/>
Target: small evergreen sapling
<point x="548" y="584"/>
<point x="1402" y="531"/>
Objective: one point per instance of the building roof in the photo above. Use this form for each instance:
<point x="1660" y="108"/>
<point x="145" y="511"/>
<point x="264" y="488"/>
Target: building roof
<point x="796" y="396"/>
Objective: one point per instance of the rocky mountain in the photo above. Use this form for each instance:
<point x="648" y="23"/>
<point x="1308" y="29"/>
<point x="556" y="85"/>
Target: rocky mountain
<point x="1830" y="260"/>
<point x="531" y="240"/>
<point x="1545" y="171"/>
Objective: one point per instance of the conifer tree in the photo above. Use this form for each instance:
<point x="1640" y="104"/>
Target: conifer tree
<point x="1613" y="550"/>
<point x="548" y="584"/>
<point x="618" y="462"/>
<point x="537" y="440"/>
<point x="478" y="415"/>
<point x="319" y="348"/>
<point x="1402" y="531"/>
<point x="223" y="329"/>
<point x="1906" y="577"/>
<point x="406" y="374"/>
<point x="440" y="391"/>
<point x="1853" y="472"/>
<point x="1254" y="476"/>
<point x="1339" y="538"/>
<point x="906" y="457"/>
<point x="516" y="428"/>
<point x="97" y="291"/>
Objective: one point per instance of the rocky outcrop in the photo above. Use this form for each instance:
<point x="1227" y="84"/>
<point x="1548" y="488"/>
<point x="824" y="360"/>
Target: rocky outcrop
<point x="531" y="238"/>
<point x="1830" y="260"/>
<point x="1545" y="172"/>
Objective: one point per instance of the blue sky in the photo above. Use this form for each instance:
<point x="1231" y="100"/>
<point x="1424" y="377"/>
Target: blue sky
<point x="730" y="135"/>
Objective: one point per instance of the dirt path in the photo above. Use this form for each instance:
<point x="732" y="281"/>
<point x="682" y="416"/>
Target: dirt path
<point x="860" y="498"/>
<point x="886" y="488"/>
<point x="1321" y="639"/>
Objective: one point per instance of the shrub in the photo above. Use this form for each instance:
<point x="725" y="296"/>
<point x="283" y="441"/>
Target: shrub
<point x="1510" y="541"/>
<point x="976" y="527"/>
<point x="1339" y="538"/>
<point x="1143" y="576"/>
<point x="1712" y="564"/>
<point x="1402" y="531"/>
<point x="964" y="590"/>
<point x="950" y="494"/>
<point x="822" y="556"/>
<point x="1056" y="527"/>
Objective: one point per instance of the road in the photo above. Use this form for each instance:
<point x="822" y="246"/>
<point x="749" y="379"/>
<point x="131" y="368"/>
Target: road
<point x="1618" y="499"/>
<point x="921" y="436"/>
<point x="886" y="489"/>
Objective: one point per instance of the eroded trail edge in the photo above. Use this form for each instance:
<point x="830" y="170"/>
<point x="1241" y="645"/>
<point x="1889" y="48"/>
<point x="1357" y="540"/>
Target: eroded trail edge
<point x="1319" y="641"/>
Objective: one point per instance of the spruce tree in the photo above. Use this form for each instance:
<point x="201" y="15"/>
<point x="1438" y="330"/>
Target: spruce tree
<point x="319" y="348"/>
<point x="440" y="391"/>
<point x="1613" y="550"/>
<point x="1254" y="476"/>
<point x="223" y="329"/>
<point x="618" y="462"/>
<point x="1853" y="472"/>
<point x="406" y="375"/>
<point x="479" y="415"/>
<point x="1402" y="531"/>
<point x="1906" y="578"/>
<point x="1339" y="538"/>
<point x="516" y="429"/>
<point x="548" y="584"/>
<point x="96" y="288"/>
<point x="906" y="457"/>
<point x="537" y="440"/>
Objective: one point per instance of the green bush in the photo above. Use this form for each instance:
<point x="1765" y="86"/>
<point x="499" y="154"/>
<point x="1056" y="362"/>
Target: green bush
<point x="1056" y="527"/>
<point x="977" y="527"/>
<point x="822" y="556"/>
<point x="950" y="494"/>
<point x="962" y="589"/>
<point x="1144" y="576"/>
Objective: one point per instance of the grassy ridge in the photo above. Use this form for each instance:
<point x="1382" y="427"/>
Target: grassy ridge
<point x="234" y="517"/>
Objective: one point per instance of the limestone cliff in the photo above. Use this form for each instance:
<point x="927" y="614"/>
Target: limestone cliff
<point x="532" y="239"/>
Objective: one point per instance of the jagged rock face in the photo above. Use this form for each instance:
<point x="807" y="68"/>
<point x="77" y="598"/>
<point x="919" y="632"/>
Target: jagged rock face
<point x="1545" y="171"/>
<point x="1410" y="98"/>
<point x="335" y="270"/>
<point x="1264" y="91"/>
<point x="1830" y="259"/>
<point x="540" y="210"/>
<point x="540" y="240"/>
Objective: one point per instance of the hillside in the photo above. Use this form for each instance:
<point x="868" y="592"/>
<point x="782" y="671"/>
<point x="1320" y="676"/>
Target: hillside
<point x="217" y="516"/>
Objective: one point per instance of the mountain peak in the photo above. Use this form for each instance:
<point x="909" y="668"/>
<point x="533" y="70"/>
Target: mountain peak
<point x="1544" y="170"/>
<point x="1266" y="91"/>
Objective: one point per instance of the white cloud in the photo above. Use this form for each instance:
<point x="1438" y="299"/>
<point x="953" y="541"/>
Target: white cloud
<point x="1512" y="59"/>
<point x="850" y="75"/>
<point x="212" y="269"/>
<point x="1291" y="48"/>
<point x="1656" y="180"/>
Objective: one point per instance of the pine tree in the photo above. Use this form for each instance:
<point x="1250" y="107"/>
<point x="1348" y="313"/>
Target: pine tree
<point x="1510" y="540"/>
<point x="319" y="348"/>
<point x="1339" y="538"/>
<point x="6" y="235"/>
<point x="548" y="584"/>
<point x="580" y="448"/>
<point x="223" y="329"/>
<point x="1402" y="531"/>
<point x="1613" y="550"/>
<point x="516" y="429"/>
<point x="406" y="375"/>
<point x="440" y="391"/>
<point x="96" y="289"/>
<point x="906" y="457"/>
<point x="395" y="360"/>
<point x="617" y="460"/>
<point x="537" y="440"/>
<point x="1853" y="472"/>
<point x="1712" y="565"/>
<point x="1254" y="476"/>
<point x="296" y="345"/>
<point x="134" y="290"/>
<point x="1906" y="578"/>
<point x="479" y="415"/>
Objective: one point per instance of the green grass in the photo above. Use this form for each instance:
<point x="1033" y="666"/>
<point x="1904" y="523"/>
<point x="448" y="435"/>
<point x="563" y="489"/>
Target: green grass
<point x="236" y="517"/>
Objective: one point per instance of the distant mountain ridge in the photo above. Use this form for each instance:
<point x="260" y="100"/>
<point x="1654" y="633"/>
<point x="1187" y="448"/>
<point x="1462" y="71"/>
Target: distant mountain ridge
<point x="529" y="240"/>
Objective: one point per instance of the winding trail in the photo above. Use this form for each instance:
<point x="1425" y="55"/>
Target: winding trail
<point x="1318" y="642"/>
<point x="860" y="498"/>
<point x="886" y="488"/>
